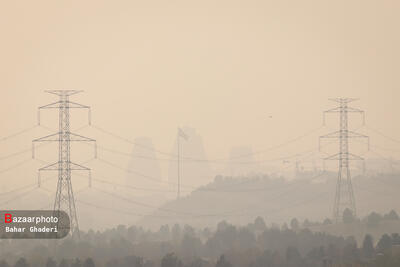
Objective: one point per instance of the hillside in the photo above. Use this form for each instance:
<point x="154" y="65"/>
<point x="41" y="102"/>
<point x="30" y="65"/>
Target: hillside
<point x="240" y="199"/>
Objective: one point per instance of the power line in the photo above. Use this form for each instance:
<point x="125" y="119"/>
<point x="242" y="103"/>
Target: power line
<point x="278" y="210"/>
<point x="119" y="211"/>
<point x="17" y="189"/>
<point x="125" y="186"/>
<point x="52" y="193"/>
<point x="16" y="154"/>
<point x="132" y="187"/>
<point x="217" y="162"/>
<point x="141" y="204"/>
<point x="191" y="214"/>
<point x="189" y="186"/>
<point x="205" y="160"/>
<point x="22" y="187"/>
<point x="200" y="189"/>
<point x="165" y="182"/>
<point x="20" y="196"/>
<point x="16" y="165"/>
<point x="18" y="133"/>
<point x="131" y="142"/>
<point x="21" y="152"/>
<point x="139" y="174"/>
<point x="384" y="194"/>
<point x="378" y="154"/>
<point x="296" y="186"/>
<point x="382" y="134"/>
<point x="279" y="145"/>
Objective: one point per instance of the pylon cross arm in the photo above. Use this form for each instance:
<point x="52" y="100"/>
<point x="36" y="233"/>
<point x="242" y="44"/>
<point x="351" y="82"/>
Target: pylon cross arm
<point x="347" y="156"/>
<point x="333" y="110"/>
<point x="61" y="104"/>
<point x="72" y="167"/>
<point x="349" y="134"/>
<point x="48" y="138"/>
<point x="78" y="167"/>
<point x="63" y="92"/>
<point x="335" y="134"/>
<point x="356" y="110"/>
<point x="77" y="137"/>
<point x="51" y="167"/>
<point x="347" y="109"/>
<point x="56" y="137"/>
<point x="352" y="134"/>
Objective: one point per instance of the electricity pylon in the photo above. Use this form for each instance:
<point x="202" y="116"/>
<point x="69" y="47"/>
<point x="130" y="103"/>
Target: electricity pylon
<point x="180" y="134"/>
<point x="64" y="200"/>
<point x="344" y="197"/>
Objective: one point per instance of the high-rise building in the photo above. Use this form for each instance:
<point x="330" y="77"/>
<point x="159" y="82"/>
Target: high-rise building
<point x="144" y="167"/>
<point x="193" y="165"/>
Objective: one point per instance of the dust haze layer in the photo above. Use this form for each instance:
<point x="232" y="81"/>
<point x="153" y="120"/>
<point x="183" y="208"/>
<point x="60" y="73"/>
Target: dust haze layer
<point x="243" y="74"/>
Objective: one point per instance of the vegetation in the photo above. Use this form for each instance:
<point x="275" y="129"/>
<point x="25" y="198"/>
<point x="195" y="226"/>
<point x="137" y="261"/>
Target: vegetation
<point x="253" y="245"/>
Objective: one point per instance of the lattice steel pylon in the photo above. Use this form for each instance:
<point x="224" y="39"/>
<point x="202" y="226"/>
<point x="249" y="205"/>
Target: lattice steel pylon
<point x="64" y="199"/>
<point x="344" y="197"/>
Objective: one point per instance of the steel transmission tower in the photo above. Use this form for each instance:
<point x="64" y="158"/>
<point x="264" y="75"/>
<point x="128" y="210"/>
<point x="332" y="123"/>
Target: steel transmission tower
<point x="64" y="199"/>
<point x="344" y="197"/>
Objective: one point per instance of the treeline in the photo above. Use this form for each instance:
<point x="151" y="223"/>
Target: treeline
<point x="254" y="245"/>
<point x="22" y="262"/>
<point x="372" y="219"/>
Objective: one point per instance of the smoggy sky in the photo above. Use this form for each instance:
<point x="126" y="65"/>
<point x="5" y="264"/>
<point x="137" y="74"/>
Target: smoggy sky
<point x="240" y="72"/>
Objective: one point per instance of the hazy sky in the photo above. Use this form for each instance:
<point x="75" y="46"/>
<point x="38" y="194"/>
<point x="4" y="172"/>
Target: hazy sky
<point x="222" y="67"/>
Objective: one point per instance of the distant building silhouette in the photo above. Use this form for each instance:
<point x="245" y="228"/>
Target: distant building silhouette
<point x="144" y="162"/>
<point x="195" y="170"/>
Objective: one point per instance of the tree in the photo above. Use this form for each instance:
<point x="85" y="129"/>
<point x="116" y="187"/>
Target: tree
<point x="316" y="254"/>
<point x="294" y="224"/>
<point x="395" y="239"/>
<point x="76" y="263"/>
<point x="63" y="263"/>
<point x="176" y="232"/>
<point x="188" y="230"/>
<point x="292" y="254"/>
<point x="171" y="260"/>
<point x="133" y="261"/>
<point x="198" y="263"/>
<point x="4" y="263"/>
<point x="384" y="244"/>
<point x="368" y="250"/>
<point x="350" y="250"/>
<point x="306" y="223"/>
<point x="222" y="262"/>
<point x="222" y="226"/>
<point x="112" y="263"/>
<point x="21" y="263"/>
<point x="259" y="224"/>
<point x="89" y="263"/>
<point x="51" y="263"/>
<point x="348" y="216"/>
<point x="164" y="232"/>
<point x="191" y="246"/>
<point x="264" y="260"/>
<point x="327" y="221"/>
<point x="373" y="219"/>
<point x="392" y="215"/>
